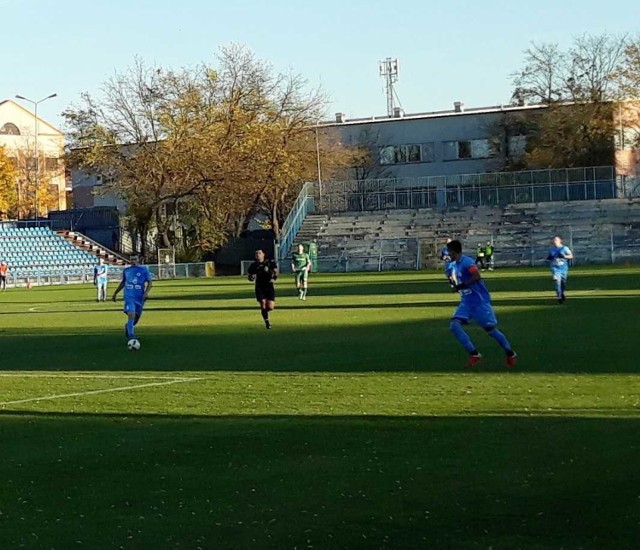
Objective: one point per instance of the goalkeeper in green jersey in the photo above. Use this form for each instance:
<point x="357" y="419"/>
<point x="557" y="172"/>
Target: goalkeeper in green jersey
<point x="301" y="265"/>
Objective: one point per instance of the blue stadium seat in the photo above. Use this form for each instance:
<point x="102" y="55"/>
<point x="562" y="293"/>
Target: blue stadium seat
<point x="39" y="250"/>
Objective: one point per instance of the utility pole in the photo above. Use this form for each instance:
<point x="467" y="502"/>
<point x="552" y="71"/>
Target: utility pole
<point x="37" y="152"/>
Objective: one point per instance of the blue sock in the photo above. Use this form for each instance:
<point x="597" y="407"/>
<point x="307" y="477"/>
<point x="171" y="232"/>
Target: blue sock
<point x="501" y="339"/>
<point x="462" y="336"/>
<point x="559" y="288"/>
<point x="130" y="330"/>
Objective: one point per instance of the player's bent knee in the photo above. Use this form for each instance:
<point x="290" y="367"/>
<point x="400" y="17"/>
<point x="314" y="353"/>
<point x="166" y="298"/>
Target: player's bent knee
<point x="455" y="324"/>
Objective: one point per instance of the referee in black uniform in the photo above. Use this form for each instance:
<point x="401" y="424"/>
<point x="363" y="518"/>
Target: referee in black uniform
<point x="264" y="272"/>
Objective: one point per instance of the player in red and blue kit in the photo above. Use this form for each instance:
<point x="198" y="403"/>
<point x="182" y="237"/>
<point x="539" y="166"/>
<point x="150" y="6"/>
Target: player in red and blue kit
<point x="137" y="283"/>
<point x="559" y="256"/>
<point x="475" y="304"/>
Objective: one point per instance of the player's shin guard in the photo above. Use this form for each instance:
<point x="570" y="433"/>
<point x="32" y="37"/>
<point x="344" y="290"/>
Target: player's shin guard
<point x="265" y="314"/>
<point x="462" y="336"/>
<point x="130" y="330"/>
<point x="500" y="338"/>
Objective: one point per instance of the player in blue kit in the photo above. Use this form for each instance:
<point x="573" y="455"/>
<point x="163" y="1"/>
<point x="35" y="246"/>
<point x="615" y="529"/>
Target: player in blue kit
<point x="449" y="264"/>
<point x="559" y="256"/>
<point x="137" y="283"/>
<point x="475" y="304"/>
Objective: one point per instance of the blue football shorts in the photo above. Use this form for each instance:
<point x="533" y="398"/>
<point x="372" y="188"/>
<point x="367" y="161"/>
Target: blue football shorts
<point x="482" y="314"/>
<point x="559" y="274"/>
<point x="133" y="306"/>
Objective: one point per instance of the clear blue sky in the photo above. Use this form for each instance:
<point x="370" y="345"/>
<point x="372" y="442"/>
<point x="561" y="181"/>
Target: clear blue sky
<point x="448" y="50"/>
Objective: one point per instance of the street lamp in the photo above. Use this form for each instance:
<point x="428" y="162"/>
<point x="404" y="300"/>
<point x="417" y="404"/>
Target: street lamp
<point x="319" y="165"/>
<point x="35" y="118"/>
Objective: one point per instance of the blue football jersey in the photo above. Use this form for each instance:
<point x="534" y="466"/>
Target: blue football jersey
<point x="101" y="273"/>
<point x="475" y="294"/>
<point x="134" y="278"/>
<point x="557" y="257"/>
<point x="444" y="254"/>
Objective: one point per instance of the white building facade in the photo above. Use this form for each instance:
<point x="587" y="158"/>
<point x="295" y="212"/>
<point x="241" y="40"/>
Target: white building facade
<point x="21" y="133"/>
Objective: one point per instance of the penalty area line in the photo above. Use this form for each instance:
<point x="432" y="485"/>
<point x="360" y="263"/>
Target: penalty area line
<point x="96" y="392"/>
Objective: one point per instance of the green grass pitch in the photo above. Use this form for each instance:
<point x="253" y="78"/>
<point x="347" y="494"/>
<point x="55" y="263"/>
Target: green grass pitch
<point x="351" y="425"/>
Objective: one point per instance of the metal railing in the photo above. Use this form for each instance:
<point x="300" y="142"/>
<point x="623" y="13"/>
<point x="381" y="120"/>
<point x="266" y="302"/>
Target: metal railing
<point x="304" y="205"/>
<point x="470" y="190"/>
<point x="632" y="188"/>
<point x="403" y="253"/>
<point x="21" y="224"/>
<point x="605" y="244"/>
<point x="64" y="275"/>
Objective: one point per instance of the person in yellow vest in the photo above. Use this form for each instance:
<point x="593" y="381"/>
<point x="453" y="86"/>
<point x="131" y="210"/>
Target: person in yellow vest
<point x="480" y="256"/>
<point x="488" y="255"/>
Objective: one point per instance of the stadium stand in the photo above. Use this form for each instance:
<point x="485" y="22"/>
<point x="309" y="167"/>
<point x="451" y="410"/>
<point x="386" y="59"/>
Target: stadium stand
<point x="604" y="231"/>
<point x="41" y="255"/>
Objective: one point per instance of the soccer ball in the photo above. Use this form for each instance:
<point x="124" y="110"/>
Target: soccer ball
<point x="133" y="344"/>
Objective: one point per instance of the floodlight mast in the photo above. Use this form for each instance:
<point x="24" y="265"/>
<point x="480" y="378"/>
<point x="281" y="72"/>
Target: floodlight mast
<point x="389" y="69"/>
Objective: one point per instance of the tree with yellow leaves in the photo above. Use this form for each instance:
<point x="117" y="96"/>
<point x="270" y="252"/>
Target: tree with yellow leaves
<point x="8" y="186"/>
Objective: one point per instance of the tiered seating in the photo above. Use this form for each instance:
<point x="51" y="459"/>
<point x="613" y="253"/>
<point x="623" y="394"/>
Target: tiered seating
<point x="521" y="233"/>
<point x="38" y="251"/>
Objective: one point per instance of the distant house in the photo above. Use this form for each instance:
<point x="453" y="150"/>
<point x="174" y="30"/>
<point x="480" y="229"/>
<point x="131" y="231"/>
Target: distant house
<point x="18" y="133"/>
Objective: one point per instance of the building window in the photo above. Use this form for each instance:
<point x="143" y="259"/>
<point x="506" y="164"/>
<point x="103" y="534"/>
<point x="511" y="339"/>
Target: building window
<point x="517" y="146"/>
<point x="387" y="155"/>
<point x="468" y="149"/>
<point x="401" y="154"/>
<point x="52" y="164"/>
<point x="464" y="150"/>
<point x="406" y="154"/>
<point x="626" y="139"/>
<point x="414" y="153"/>
<point x="428" y="152"/>
<point x="10" y="129"/>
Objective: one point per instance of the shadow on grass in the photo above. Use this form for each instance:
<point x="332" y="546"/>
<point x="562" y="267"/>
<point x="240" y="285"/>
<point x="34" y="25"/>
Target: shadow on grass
<point x="585" y="335"/>
<point x="347" y="482"/>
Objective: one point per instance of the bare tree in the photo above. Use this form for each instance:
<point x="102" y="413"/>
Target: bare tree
<point x="541" y="80"/>
<point x="579" y="86"/>
<point x="592" y="63"/>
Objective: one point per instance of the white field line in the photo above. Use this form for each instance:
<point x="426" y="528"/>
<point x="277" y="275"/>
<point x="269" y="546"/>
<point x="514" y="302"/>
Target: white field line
<point x="95" y="392"/>
<point x="36" y="374"/>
